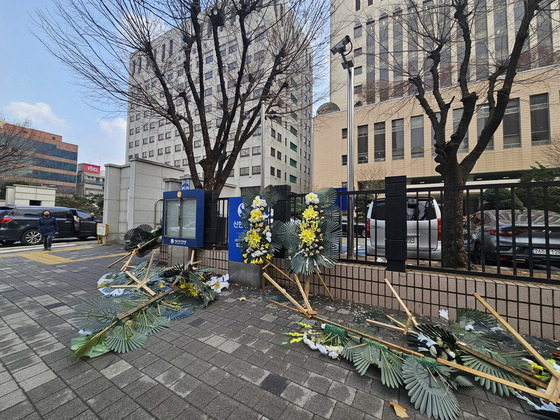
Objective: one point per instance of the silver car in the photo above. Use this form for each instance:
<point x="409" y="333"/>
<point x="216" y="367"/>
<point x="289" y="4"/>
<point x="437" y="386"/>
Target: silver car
<point x="515" y="237"/>
<point x="423" y="228"/>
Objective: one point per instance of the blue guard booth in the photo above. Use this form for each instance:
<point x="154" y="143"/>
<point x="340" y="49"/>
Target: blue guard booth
<point x="183" y="218"/>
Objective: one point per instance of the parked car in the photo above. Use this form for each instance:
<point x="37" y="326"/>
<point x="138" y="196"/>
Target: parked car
<point x="423" y="228"/>
<point x="515" y="237"/>
<point x="19" y="223"/>
<point x="359" y="228"/>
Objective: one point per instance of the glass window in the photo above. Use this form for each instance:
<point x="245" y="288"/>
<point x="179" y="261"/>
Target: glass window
<point x="152" y="139"/>
<point x="278" y="155"/>
<point x="168" y="150"/>
<point x="244" y="171"/>
<point x="358" y="71"/>
<point x="278" y="173"/>
<point x="482" y="114"/>
<point x="144" y="155"/>
<point x="344" y="160"/>
<point x="379" y="141"/>
<point x="397" y="128"/>
<point x="272" y="171"/>
<point x="197" y="143"/>
<point x="137" y="143"/>
<point x="357" y="31"/>
<point x="256" y="169"/>
<point x="417" y="136"/>
<point x="344" y="133"/>
<point x="233" y="48"/>
<point x="457" y="114"/>
<point x="244" y="152"/>
<point x="209" y="58"/>
<point x="540" y="124"/>
<point x="272" y="152"/>
<point x="293" y="163"/>
<point x="160" y="152"/>
<point x="178" y="147"/>
<point x="293" y="147"/>
<point x="358" y="4"/>
<point x="293" y="179"/>
<point x="208" y="75"/>
<point x="363" y="144"/>
<point x="151" y="153"/>
<point x="512" y="124"/>
<point x="256" y="150"/>
<point x="357" y="52"/>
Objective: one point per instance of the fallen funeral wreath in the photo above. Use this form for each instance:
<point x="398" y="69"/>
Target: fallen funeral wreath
<point x="122" y="320"/>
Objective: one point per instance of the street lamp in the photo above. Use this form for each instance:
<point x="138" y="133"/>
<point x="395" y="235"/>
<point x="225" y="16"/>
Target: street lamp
<point x="348" y="65"/>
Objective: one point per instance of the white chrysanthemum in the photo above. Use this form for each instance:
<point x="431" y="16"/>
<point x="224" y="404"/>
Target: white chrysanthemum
<point x="444" y="313"/>
<point x="312" y="345"/>
<point x="311" y="198"/>
<point x="333" y="355"/>
<point x="268" y="236"/>
<point x="259" y="202"/>
<point x="322" y="349"/>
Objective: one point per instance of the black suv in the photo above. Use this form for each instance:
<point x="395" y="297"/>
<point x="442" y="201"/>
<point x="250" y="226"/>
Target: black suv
<point x="19" y="223"/>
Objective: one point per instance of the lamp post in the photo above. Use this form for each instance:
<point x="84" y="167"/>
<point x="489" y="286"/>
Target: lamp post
<point x="348" y="65"/>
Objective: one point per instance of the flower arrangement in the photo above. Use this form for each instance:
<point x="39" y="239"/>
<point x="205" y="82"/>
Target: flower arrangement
<point x="311" y="240"/>
<point x="257" y="242"/>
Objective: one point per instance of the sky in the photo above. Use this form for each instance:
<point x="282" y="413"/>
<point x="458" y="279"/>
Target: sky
<point x="34" y="85"/>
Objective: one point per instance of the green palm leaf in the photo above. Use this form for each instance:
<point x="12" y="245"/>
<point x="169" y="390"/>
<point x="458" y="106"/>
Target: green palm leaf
<point x="483" y="366"/>
<point x="124" y="338"/>
<point x="96" y="314"/>
<point x="147" y="322"/>
<point x="428" y="391"/>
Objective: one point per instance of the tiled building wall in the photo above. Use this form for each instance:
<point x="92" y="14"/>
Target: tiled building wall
<point x="529" y="307"/>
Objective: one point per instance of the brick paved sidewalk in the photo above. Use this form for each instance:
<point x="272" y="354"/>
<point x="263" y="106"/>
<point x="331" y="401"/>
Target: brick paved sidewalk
<point x="224" y="362"/>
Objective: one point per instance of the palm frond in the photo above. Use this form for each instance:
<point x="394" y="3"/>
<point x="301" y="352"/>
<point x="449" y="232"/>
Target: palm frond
<point x="96" y="314"/>
<point x="483" y="366"/>
<point x="147" y="322"/>
<point x="174" y="315"/>
<point x="124" y="338"/>
<point x="428" y="391"/>
<point x="91" y="342"/>
<point x="92" y="350"/>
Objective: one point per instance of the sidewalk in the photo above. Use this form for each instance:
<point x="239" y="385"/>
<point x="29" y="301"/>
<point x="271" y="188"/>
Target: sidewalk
<point x="223" y="362"/>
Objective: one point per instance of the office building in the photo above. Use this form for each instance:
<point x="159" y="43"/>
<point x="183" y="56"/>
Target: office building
<point x="49" y="161"/>
<point x="392" y="133"/>
<point x="90" y="179"/>
<point x="279" y="152"/>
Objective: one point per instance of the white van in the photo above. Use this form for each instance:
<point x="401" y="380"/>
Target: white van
<point x="423" y="228"/>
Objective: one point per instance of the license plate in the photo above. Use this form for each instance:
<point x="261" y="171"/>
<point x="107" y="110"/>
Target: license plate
<point x="410" y="239"/>
<point x="542" y="251"/>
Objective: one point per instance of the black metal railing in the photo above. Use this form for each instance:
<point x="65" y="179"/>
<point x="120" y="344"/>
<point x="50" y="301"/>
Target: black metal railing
<point x="510" y="230"/>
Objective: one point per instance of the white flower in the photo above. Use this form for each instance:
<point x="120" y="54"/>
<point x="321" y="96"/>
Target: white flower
<point x="322" y="349"/>
<point x="259" y="202"/>
<point x="444" y="313"/>
<point x="311" y="198"/>
<point x="268" y="236"/>
<point x="469" y="327"/>
<point x="311" y="345"/>
<point x="218" y="283"/>
<point x="333" y="355"/>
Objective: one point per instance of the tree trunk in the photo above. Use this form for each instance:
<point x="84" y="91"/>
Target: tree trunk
<point x="454" y="254"/>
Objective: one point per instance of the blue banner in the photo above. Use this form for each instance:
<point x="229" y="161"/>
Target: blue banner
<point x="235" y="228"/>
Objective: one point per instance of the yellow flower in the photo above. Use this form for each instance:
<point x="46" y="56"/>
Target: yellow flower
<point x="256" y="214"/>
<point x="253" y="239"/>
<point x="309" y="213"/>
<point x="307" y="236"/>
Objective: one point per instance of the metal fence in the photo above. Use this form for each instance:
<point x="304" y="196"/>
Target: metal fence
<point x="510" y="230"/>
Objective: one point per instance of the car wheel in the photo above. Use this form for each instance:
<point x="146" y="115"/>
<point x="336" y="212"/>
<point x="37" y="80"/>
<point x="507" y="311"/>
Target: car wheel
<point x="31" y="237"/>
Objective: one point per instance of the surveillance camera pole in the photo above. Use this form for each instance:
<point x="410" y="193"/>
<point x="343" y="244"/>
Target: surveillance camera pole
<point x="348" y="65"/>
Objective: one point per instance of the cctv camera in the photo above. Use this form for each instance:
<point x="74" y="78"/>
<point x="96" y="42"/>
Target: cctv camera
<point x="340" y="47"/>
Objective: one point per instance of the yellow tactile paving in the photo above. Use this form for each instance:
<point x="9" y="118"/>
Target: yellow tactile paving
<point x="49" y="257"/>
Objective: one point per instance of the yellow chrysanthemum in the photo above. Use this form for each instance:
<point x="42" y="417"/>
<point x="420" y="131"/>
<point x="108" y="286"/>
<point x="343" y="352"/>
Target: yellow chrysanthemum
<point x="256" y="215"/>
<point x="307" y="236"/>
<point x="253" y="239"/>
<point x="310" y="213"/>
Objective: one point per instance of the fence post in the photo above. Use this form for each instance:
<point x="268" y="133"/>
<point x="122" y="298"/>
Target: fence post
<point x="395" y="223"/>
<point x="210" y="218"/>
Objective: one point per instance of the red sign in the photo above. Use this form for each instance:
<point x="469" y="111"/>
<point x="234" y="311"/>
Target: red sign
<point x="92" y="168"/>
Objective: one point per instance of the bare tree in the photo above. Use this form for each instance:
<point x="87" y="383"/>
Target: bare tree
<point x="164" y="57"/>
<point x="16" y="146"/>
<point x="444" y="43"/>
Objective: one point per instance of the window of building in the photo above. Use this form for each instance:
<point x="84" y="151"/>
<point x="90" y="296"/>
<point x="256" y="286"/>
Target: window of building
<point x="232" y="48"/>
<point x="256" y="150"/>
<point x="130" y="144"/>
<point x="357" y="31"/>
<point x="178" y="147"/>
<point x="278" y="155"/>
<point x="232" y="173"/>
<point x="379" y="141"/>
<point x="208" y="91"/>
<point x="293" y="130"/>
<point x="293" y="163"/>
<point x="344" y="133"/>
<point x="244" y="171"/>
<point x="177" y="163"/>
<point x="272" y="152"/>
<point x="417" y="136"/>
<point x="144" y="155"/>
<point x="278" y="173"/>
<point x="259" y="55"/>
<point x="131" y="131"/>
<point x="273" y="133"/>
<point x="152" y="139"/>
<point x="482" y="114"/>
<point x="293" y="147"/>
<point x="209" y="59"/>
<point x="357" y="71"/>
<point x="279" y="137"/>
<point x="137" y="143"/>
<point x="293" y="179"/>
<point x="363" y="144"/>
<point x="153" y="124"/>
<point x="160" y="137"/>
<point x="344" y="160"/>
<point x="244" y="152"/>
<point x="512" y="124"/>
<point x="145" y="140"/>
<point x="357" y="52"/>
<point x="540" y="123"/>
<point x="168" y="135"/>
<point x="168" y="150"/>
<point x="232" y="65"/>
<point x="357" y="89"/>
<point x="160" y="151"/>
<point x="185" y="162"/>
<point x="457" y="115"/>
<point x="255" y="170"/>
<point x="197" y="143"/>
<point x="209" y="75"/>
<point x="358" y="4"/>
<point x="397" y="138"/>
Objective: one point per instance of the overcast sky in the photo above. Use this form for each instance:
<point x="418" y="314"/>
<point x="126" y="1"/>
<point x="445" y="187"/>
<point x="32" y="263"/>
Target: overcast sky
<point x="35" y="86"/>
